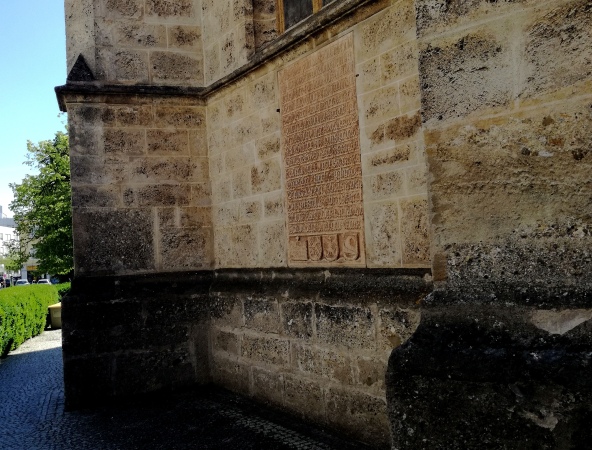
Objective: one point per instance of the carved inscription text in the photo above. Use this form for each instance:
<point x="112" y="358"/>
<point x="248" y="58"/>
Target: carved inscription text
<point x="321" y="150"/>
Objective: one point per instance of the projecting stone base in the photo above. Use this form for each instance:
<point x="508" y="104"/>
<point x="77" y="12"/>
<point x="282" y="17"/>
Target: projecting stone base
<point x="313" y="342"/>
<point x="483" y="378"/>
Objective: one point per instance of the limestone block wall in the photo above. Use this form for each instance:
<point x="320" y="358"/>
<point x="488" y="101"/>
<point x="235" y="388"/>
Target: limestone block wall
<point x="246" y="162"/>
<point x="506" y="99"/>
<point x="392" y="145"/>
<point x="228" y="37"/>
<point x="140" y="185"/>
<point x="314" y="342"/>
<point x="245" y="169"/>
<point x="138" y="42"/>
<point x="265" y="27"/>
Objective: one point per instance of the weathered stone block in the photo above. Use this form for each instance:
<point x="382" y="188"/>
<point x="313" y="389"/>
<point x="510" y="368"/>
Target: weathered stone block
<point x="169" y="8"/>
<point x="265" y="31"/>
<point x="381" y="104"/>
<point x="195" y="217"/>
<point x="250" y="211"/>
<point x="171" y="168"/>
<point x="266" y="349"/>
<point x="336" y="366"/>
<point x="120" y="141"/>
<point x="402" y="127"/>
<point x="226" y="341"/>
<point x="351" y="327"/>
<point x="212" y="64"/>
<point x="245" y="130"/>
<point x="137" y="35"/>
<point x="244" y="243"/>
<point x="94" y="170"/>
<point x="304" y="396"/>
<point x="306" y="359"/>
<point x="479" y="72"/>
<point x="557" y="48"/>
<point x="164" y="142"/>
<point x="85" y="315"/>
<point x="262" y="315"/>
<point x="234" y="105"/>
<point x="368" y="76"/>
<point x="516" y="383"/>
<point x="111" y="241"/>
<point x="398" y="63"/>
<point x="185" y="37"/>
<point x="384" y="241"/>
<point x="268" y="146"/>
<point x="128" y="9"/>
<point x="93" y="196"/>
<point x="415" y="230"/>
<point x="129" y="115"/>
<point x="188" y="248"/>
<point x="386" y="29"/>
<point x="201" y="194"/>
<point x="385" y="185"/>
<point x="272" y="241"/>
<point x="168" y="67"/>
<point x="198" y="143"/>
<point x="180" y="116"/>
<point x="268" y="386"/>
<point x="266" y="177"/>
<point x="355" y="411"/>
<point x="390" y="158"/>
<point x="239" y="157"/>
<point x="87" y="116"/>
<point x="370" y="372"/>
<point x="229" y="373"/>
<point x="434" y="16"/>
<point x="227" y="214"/>
<point x="187" y="307"/>
<point x="163" y="195"/>
<point x="263" y="92"/>
<point x="296" y="319"/>
<point x="227" y="311"/>
<point x="273" y="206"/>
<point x="409" y="94"/>
<point x="123" y="65"/>
<point x="396" y="326"/>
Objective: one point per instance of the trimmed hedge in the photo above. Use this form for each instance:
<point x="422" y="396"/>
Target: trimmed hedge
<point x="63" y="289"/>
<point x="23" y="312"/>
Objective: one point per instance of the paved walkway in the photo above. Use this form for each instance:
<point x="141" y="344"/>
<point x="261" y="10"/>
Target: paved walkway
<point x="32" y="415"/>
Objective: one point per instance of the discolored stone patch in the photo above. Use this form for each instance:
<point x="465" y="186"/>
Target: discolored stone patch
<point x="112" y="241"/>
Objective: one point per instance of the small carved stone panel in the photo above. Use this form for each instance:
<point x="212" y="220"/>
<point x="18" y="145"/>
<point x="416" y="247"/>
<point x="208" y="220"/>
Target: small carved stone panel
<point x="321" y="150"/>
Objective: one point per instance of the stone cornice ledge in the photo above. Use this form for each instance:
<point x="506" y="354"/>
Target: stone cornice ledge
<point x="327" y="16"/>
<point x="92" y="88"/>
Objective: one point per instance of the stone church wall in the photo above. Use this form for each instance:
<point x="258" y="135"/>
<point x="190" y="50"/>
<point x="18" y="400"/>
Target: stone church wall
<point x="440" y="234"/>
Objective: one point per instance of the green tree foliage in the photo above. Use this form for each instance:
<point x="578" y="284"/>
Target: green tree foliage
<point x="42" y="208"/>
<point x="10" y="264"/>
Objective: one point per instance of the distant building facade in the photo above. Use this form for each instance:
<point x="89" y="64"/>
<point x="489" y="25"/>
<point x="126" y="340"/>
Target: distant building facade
<point x="374" y="214"/>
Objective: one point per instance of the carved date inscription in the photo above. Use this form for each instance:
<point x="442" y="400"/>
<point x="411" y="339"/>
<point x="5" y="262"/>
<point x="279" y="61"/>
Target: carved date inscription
<point x="320" y="137"/>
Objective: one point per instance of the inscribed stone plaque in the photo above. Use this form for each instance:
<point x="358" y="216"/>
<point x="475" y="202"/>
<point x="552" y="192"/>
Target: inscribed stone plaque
<point x="321" y="150"/>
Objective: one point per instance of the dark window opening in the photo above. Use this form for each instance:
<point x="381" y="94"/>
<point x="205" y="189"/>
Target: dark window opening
<point x="291" y="12"/>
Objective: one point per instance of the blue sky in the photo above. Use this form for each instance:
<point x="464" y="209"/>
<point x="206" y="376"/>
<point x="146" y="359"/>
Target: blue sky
<point x="33" y="62"/>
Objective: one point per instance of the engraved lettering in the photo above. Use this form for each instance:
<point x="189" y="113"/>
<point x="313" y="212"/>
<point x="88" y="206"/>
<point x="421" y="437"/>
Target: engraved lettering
<point x="322" y="168"/>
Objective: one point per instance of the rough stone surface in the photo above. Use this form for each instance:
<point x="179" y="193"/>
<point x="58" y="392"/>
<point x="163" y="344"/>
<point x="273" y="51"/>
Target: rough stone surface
<point x="471" y="122"/>
<point x="522" y="387"/>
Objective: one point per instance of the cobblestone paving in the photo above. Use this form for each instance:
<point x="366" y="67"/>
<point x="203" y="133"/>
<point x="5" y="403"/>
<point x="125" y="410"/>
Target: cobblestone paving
<point x="32" y="415"/>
